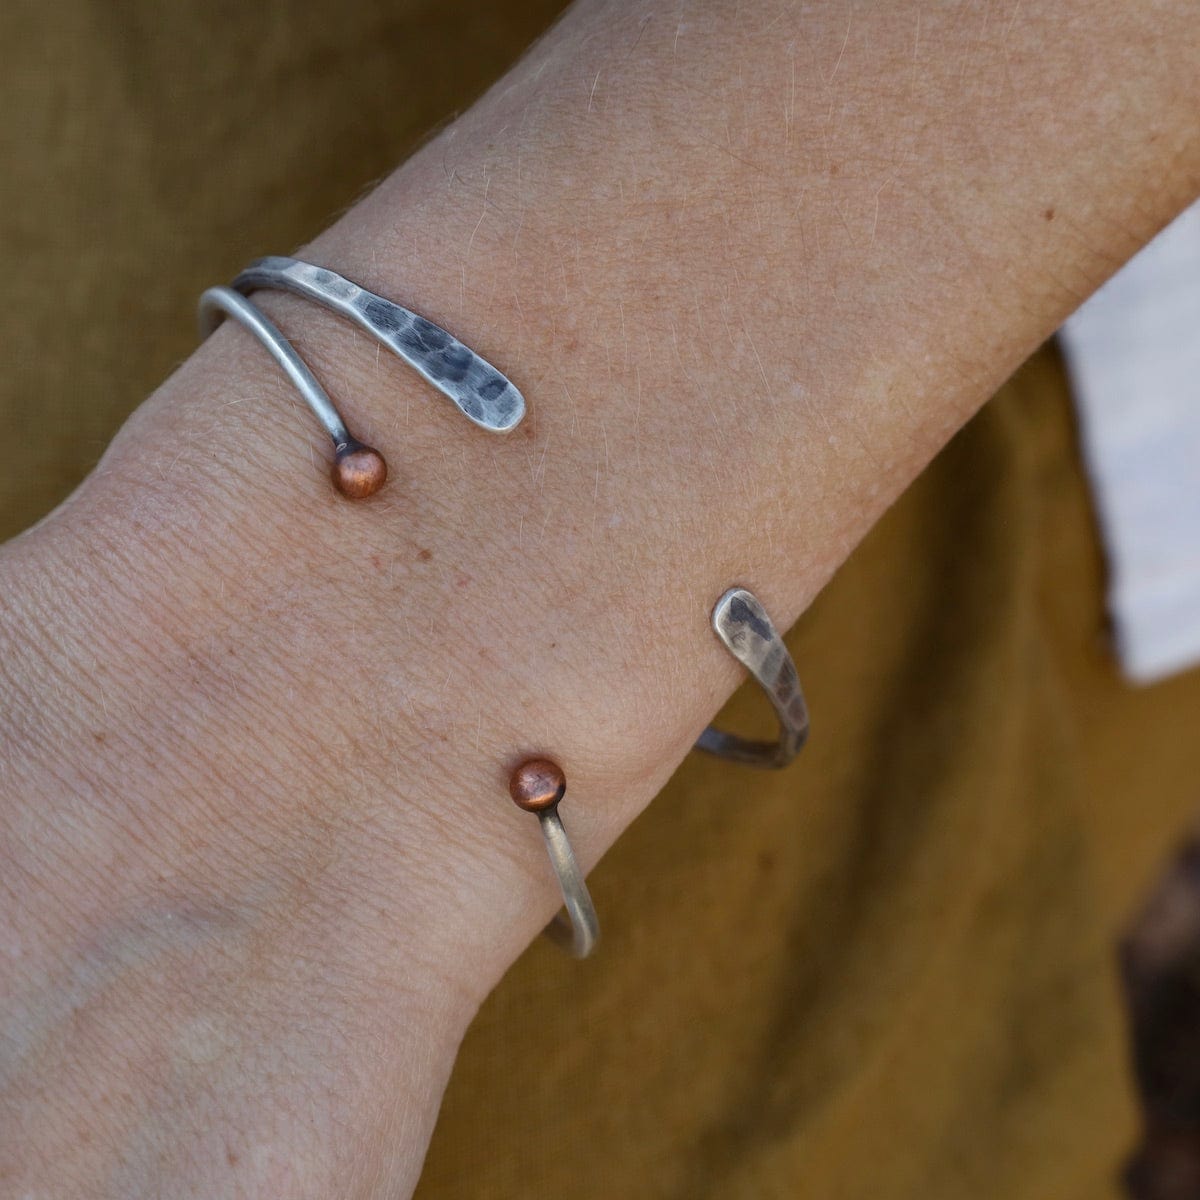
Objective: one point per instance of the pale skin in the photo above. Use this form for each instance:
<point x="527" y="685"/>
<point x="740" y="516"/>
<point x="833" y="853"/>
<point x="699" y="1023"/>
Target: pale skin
<point x="751" y="265"/>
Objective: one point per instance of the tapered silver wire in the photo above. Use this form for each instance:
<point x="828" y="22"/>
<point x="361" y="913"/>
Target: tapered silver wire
<point x="578" y="929"/>
<point x="218" y="302"/>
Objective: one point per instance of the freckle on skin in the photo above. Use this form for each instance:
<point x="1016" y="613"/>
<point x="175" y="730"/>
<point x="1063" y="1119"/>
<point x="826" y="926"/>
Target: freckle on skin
<point x="425" y="555"/>
<point x="1049" y="214"/>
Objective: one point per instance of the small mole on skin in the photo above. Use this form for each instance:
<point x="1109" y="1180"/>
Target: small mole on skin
<point x="1049" y="214"/>
<point x="98" y="736"/>
<point x="231" y="1158"/>
<point x="425" y="555"/>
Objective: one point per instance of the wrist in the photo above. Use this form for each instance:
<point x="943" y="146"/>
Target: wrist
<point x="216" y="915"/>
<point x="253" y="660"/>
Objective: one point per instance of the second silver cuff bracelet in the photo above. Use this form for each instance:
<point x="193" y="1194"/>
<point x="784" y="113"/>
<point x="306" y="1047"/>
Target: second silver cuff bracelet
<point x="491" y="401"/>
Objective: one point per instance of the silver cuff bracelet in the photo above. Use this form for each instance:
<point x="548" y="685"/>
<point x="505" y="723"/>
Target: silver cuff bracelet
<point x="491" y="401"/>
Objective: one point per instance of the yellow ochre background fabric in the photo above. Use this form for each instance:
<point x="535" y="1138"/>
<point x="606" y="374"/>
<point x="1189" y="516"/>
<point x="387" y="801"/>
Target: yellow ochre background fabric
<point x="886" y="974"/>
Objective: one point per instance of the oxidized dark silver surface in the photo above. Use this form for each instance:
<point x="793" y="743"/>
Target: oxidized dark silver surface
<point x="742" y="624"/>
<point x="480" y="391"/>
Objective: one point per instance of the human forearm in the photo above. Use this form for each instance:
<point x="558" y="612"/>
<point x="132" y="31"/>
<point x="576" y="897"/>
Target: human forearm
<point x="256" y="800"/>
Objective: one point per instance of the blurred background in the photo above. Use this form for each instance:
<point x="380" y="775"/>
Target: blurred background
<point x="899" y="974"/>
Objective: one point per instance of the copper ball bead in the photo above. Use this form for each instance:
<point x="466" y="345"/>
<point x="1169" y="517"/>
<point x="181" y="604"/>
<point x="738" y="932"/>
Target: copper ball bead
<point x="537" y="785"/>
<point x="358" y="471"/>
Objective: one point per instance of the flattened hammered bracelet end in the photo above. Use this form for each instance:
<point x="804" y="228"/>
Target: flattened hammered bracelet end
<point x="742" y="624"/>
